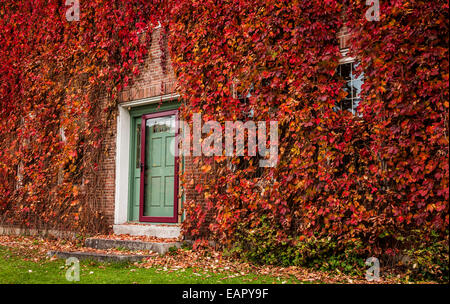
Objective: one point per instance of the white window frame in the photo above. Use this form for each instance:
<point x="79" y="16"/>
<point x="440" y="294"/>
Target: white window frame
<point x="349" y="60"/>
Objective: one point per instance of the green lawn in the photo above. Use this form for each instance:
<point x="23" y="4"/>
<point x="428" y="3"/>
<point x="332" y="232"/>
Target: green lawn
<point x="17" y="269"/>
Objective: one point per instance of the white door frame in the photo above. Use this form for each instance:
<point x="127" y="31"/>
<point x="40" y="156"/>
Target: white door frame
<point x="123" y="153"/>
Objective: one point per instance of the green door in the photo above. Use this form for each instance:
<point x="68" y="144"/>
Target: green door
<point x="153" y="182"/>
<point x="159" y="168"/>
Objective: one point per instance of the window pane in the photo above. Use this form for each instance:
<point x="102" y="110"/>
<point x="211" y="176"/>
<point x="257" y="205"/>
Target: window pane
<point x="352" y="86"/>
<point x="346" y="71"/>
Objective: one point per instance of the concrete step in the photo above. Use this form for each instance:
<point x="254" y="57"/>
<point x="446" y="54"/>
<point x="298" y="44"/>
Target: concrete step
<point x="159" y="247"/>
<point x="159" y="231"/>
<point x="101" y="257"/>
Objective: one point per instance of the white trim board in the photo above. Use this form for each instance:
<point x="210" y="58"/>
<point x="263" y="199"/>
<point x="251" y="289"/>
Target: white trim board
<point x="148" y="101"/>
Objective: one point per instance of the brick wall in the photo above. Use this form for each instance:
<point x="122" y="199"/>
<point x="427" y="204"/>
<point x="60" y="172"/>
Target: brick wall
<point x="344" y="38"/>
<point x="194" y="176"/>
<point x="152" y="81"/>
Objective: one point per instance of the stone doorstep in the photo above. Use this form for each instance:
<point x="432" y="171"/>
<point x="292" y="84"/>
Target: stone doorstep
<point x="159" y="247"/>
<point x="101" y="257"/>
<point x="159" y="231"/>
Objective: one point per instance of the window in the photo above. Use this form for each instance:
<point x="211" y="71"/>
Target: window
<point x="346" y="70"/>
<point x="245" y="162"/>
<point x="352" y="86"/>
<point x="243" y="99"/>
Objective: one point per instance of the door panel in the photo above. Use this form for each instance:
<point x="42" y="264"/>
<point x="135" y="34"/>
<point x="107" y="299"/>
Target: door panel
<point x="168" y="184"/>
